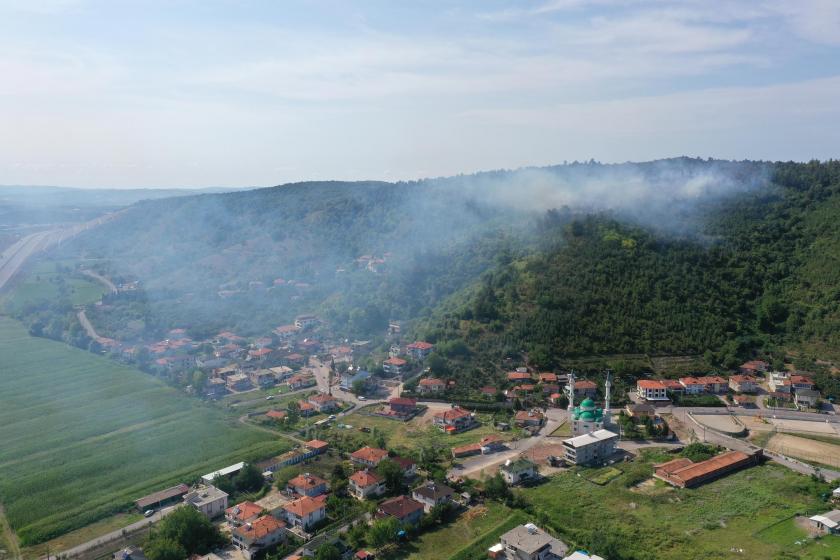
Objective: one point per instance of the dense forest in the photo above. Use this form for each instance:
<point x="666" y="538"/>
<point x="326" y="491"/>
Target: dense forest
<point x="761" y="278"/>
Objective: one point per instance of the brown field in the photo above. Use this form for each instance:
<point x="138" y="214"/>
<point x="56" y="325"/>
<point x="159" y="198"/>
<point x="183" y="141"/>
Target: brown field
<point x="805" y="449"/>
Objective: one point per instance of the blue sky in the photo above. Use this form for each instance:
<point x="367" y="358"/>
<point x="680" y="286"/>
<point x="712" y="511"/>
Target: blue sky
<point x="235" y="93"/>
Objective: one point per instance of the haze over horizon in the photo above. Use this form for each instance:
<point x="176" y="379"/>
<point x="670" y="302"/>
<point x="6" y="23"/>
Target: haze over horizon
<point x="209" y="94"/>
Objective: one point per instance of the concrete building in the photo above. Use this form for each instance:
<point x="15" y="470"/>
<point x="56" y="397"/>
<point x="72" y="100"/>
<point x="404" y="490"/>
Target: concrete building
<point x="162" y="499"/>
<point x="454" y="420"/>
<point x="685" y="473"/>
<point x="351" y="376"/>
<point x="402" y="508"/>
<point x="518" y="471"/>
<point x="652" y="390"/>
<point x="264" y="532"/>
<point x="430" y="385"/>
<point x="227" y="471"/>
<point x="806" y="398"/>
<point x="368" y="456"/>
<point x="743" y="383"/>
<point x="394" y="366"/>
<point x="209" y="500"/>
<point x="420" y="349"/>
<point x="244" y="512"/>
<point x="307" y="485"/>
<point x="365" y="484"/>
<point x="828" y="523"/>
<point x="590" y="449"/>
<point x="305" y="512"/>
<point x="528" y="542"/>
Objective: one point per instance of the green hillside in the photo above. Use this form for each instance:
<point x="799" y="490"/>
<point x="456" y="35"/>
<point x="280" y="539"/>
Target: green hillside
<point x="83" y="437"/>
<point x="762" y="275"/>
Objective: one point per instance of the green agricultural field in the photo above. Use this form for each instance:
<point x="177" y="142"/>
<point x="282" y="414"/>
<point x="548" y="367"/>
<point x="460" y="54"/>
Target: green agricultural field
<point x="717" y="520"/>
<point x="43" y="283"/>
<point x="82" y="436"/>
<point x="468" y="532"/>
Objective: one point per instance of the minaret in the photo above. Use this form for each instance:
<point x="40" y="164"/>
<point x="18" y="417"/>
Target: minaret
<point x="570" y="389"/>
<point x="607" y="386"/>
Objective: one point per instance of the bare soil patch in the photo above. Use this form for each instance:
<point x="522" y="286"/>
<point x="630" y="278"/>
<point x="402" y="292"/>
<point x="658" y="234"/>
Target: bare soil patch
<point x="806" y="449"/>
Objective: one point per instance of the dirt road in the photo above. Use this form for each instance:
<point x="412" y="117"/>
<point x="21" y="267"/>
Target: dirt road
<point x="8" y="536"/>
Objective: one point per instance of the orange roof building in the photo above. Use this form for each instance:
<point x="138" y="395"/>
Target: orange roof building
<point x="684" y="473"/>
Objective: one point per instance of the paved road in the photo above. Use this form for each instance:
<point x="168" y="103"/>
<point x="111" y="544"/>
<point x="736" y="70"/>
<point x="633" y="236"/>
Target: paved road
<point x="103" y="540"/>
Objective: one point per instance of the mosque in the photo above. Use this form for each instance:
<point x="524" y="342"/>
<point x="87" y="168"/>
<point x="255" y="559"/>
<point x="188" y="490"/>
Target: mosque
<point x="586" y="417"/>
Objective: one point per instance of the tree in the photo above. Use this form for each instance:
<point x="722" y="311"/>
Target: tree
<point x="189" y="529"/>
<point x="383" y="531"/>
<point x="164" y="549"/>
<point x="327" y="552"/>
<point x="284" y="475"/>
<point x="358" y="387"/>
<point x="392" y="473"/>
<point x="249" y="479"/>
<point x="292" y="413"/>
<point x="496" y="488"/>
<point x="199" y="380"/>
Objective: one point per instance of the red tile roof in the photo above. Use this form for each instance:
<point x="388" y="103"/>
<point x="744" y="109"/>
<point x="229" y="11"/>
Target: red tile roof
<point x="420" y="345"/>
<point x="649" y="384"/>
<point x="585" y="384"/>
<point x="244" y="511"/>
<point x="365" y="479"/>
<point x="306" y="481"/>
<point x="263" y="526"/>
<point x="317" y="444"/>
<point x="370" y="454"/>
<point x="395" y="362"/>
<point x="430" y="381"/>
<point x="452" y="414"/>
<point x="304" y="506"/>
<point x="402" y="401"/>
<point x="518" y="376"/>
<point x="276" y="414"/>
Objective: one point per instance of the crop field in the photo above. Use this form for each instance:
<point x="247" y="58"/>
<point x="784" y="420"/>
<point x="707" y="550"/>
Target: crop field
<point x="82" y="437"/>
<point x="722" y="519"/>
<point x="43" y="283"/>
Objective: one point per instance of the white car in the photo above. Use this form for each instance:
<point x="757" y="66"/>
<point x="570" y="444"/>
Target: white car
<point x="362" y="398"/>
<point x="332" y="416"/>
<point x="148" y="513"/>
<point x="269" y="397"/>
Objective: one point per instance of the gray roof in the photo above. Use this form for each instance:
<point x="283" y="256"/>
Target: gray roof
<point x="529" y="539"/>
<point x="434" y="491"/>
<point x="808" y="393"/>
<point x="587" y="439"/>
<point x="204" y="495"/>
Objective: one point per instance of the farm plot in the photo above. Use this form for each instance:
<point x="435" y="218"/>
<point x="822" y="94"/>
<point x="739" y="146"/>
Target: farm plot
<point x="82" y="437"/>
<point x="806" y="449"/>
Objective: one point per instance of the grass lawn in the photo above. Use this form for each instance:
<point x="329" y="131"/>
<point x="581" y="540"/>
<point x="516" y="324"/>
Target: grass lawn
<point x="43" y="284"/>
<point x="603" y="476"/>
<point x="789" y="536"/>
<point x="703" y="523"/>
<point x="82" y="436"/>
<point x="85" y="534"/>
<point x="564" y="430"/>
<point x="415" y="432"/>
<point x="471" y="527"/>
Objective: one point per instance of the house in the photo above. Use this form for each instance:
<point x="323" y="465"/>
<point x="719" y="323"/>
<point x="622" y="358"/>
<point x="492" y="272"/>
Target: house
<point x="305" y="512"/>
<point x="402" y="508"/>
<point x="303" y="322"/>
<point x="651" y="390"/>
<point x="548" y="378"/>
<point x="238" y="382"/>
<point x="364" y="484"/>
<point x="432" y="494"/>
<point x="518" y="471"/>
<point x="317" y="446"/>
<point x="528" y="542"/>
<point x="753" y="367"/>
<point x="394" y="366"/>
<point x="638" y="411"/>
<point x="243" y="513"/>
<point x="294" y="360"/>
<point x="279" y="415"/>
<point x="215" y="388"/>
<point x="406" y="465"/>
<point x="281" y="373"/>
<point x="800" y="382"/>
<point x="529" y="418"/>
<point x="828" y="523"/>
<point x="129" y="553"/>
<point x="586" y="388"/>
<point x="419" y="350"/>
<point x="806" y="398"/>
<point x="323" y="403"/>
<point x="590" y="449"/>
<point x="307" y="409"/>
<point x="466" y="450"/>
<point x="260" y="354"/>
<point x="454" y="420"/>
<point x="583" y="555"/>
<point x="263" y="378"/>
<point x="352" y="376"/>
<point x="518" y="376"/>
<point x="550" y="388"/>
<point x="401" y="406"/>
<point x="285" y="332"/>
<point x="491" y="444"/>
<point x="489" y="391"/>
<point x="208" y="500"/>
<point x="300" y="382"/>
<point x="744" y="400"/>
<point x="430" y="385"/>
<point x="264" y="532"/>
<point x="685" y="473"/>
<point x="780" y="384"/>
<point x="693" y="386"/>
<point x="522" y="389"/>
<point x="307" y="485"/>
<point x="368" y="456"/>
<point x="743" y="383"/>
<point x="673" y="386"/>
<point x="714" y="383"/>
<point x="161" y="499"/>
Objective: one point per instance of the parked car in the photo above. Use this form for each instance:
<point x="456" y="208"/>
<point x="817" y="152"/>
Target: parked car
<point x="148" y="513"/>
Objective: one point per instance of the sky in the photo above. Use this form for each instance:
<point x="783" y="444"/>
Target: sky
<point x="232" y="93"/>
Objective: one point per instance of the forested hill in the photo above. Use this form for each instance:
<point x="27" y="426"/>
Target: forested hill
<point x="674" y="256"/>
<point x="762" y="275"/>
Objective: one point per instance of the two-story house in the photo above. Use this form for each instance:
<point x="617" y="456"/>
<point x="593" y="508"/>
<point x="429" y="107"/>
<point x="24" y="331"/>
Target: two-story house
<point x="432" y="494"/>
<point x="305" y="512"/>
<point x="262" y="533"/>
<point x="365" y="484"/>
